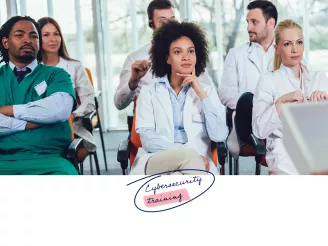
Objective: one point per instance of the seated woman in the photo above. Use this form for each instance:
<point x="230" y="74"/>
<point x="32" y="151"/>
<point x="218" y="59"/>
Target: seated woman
<point x="177" y="117"/>
<point x="290" y="82"/>
<point x="54" y="53"/>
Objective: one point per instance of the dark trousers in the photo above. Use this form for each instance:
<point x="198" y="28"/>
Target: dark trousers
<point x="243" y="118"/>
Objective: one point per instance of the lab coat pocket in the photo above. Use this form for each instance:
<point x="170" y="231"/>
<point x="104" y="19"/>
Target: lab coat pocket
<point x="41" y="88"/>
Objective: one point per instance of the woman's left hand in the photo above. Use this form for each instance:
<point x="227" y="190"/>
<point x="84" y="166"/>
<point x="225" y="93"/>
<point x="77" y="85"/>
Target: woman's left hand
<point x="317" y="96"/>
<point x="191" y="79"/>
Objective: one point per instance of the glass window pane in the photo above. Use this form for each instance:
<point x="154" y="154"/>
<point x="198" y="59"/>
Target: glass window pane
<point x="89" y="47"/>
<point x="234" y="25"/>
<point x="64" y="14"/>
<point x="144" y="31"/>
<point x="291" y="9"/>
<point x="203" y="13"/>
<point x="120" y="29"/>
<point x="36" y="8"/>
<point x="318" y="34"/>
<point x="3" y="12"/>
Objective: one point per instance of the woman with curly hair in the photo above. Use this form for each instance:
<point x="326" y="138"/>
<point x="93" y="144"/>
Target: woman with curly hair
<point x="177" y="117"/>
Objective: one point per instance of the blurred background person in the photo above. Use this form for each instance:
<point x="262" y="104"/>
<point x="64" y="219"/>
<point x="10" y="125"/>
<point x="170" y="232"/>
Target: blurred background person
<point x="54" y="53"/>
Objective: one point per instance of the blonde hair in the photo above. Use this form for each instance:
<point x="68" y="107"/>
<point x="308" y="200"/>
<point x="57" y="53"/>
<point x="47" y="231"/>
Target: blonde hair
<point x="282" y="25"/>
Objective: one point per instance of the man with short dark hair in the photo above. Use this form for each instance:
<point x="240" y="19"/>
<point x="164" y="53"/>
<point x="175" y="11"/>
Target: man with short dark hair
<point x="35" y="104"/>
<point x="136" y="69"/>
<point x="245" y="64"/>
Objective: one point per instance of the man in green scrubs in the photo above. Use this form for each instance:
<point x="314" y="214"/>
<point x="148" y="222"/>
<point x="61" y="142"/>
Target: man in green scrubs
<point x="35" y="102"/>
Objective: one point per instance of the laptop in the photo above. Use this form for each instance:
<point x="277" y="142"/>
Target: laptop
<point x="305" y="131"/>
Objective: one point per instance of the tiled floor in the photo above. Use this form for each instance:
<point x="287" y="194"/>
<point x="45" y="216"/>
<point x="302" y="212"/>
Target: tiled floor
<point x="112" y="140"/>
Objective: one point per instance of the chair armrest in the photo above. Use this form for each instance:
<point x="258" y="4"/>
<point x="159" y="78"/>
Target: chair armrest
<point x="97" y="93"/>
<point x="229" y="113"/>
<point x="259" y="145"/>
<point x="87" y="120"/>
<point x="71" y="152"/>
<point x="221" y="149"/>
<point x="123" y="153"/>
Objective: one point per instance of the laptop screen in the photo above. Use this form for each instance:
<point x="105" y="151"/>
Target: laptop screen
<point x="311" y="123"/>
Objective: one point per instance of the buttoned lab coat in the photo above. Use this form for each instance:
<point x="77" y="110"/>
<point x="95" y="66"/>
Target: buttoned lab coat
<point x="154" y="110"/>
<point x="267" y="124"/>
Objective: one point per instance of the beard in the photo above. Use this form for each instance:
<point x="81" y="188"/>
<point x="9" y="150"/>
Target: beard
<point x="259" y="36"/>
<point x="256" y="38"/>
<point x="27" y="57"/>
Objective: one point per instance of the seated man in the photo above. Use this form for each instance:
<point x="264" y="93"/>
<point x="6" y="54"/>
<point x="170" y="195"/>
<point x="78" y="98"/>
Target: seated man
<point x="35" y="102"/>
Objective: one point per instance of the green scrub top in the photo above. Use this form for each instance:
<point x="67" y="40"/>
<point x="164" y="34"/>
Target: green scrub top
<point x="35" y="151"/>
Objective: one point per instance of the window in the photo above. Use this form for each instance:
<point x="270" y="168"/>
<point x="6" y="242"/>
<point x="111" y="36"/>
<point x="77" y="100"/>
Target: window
<point x="144" y="31"/>
<point x="318" y="35"/>
<point x="35" y="12"/>
<point x="291" y="9"/>
<point x="120" y="29"/>
<point x="88" y="57"/>
<point x="3" y="12"/>
<point x="64" y="14"/>
<point x="234" y="25"/>
<point x="203" y="13"/>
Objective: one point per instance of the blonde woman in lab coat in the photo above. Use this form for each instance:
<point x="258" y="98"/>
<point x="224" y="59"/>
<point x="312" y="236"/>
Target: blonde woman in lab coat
<point x="177" y="117"/>
<point x="290" y="82"/>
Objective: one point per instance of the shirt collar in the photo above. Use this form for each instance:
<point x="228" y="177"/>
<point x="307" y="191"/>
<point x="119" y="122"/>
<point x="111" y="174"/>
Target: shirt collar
<point x="164" y="81"/>
<point x="62" y="62"/>
<point x="258" y="46"/>
<point x="31" y="66"/>
<point x="290" y="72"/>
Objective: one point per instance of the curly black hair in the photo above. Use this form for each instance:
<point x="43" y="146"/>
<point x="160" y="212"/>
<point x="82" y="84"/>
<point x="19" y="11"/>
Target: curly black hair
<point x="5" y="31"/>
<point x="170" y="32"/>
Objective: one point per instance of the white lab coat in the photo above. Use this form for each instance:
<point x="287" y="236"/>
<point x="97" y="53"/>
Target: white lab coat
<point x="267" y="124"/>
<point x="154" y="110"/>
<point x="85" y="92"/>
<point x="123" y="95"/>
<point x="242" y="68"/>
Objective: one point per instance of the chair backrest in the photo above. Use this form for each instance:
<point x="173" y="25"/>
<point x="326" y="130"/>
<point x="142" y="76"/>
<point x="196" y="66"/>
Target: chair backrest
<point x="89" y="75"/>
<point x="214" y="153"/>
<point x="94" y="120"/>
<point x="135" y="142"/>
<point x="71" y="125"/>
<point x="229" y="113"/>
